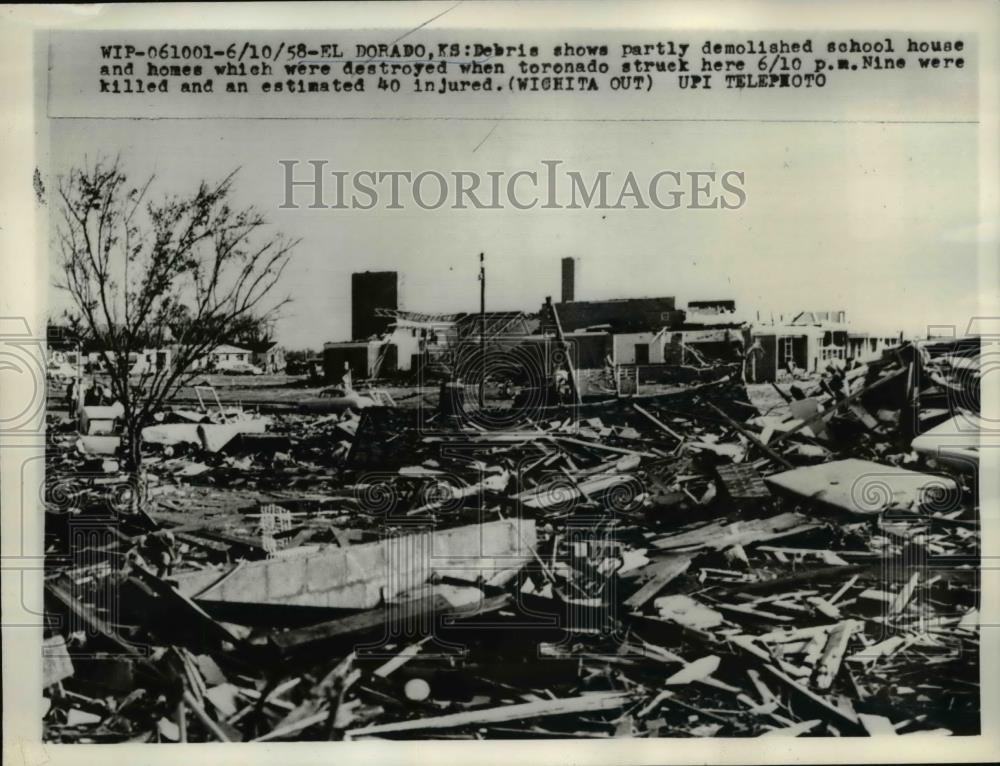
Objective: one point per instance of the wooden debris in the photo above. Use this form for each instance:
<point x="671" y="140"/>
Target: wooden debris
<point x="833" y="653"/>
<point x="663" y="572"/>
<point x="661" y="567"/>
<point x="589" y="703"/>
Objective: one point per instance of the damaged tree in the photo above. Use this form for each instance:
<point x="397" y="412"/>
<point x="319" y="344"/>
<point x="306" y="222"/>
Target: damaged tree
<point x="180" y="270"/>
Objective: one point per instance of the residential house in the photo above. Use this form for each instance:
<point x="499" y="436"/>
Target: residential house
<point x="222" y="356"/>
<point x="269" y="356"/>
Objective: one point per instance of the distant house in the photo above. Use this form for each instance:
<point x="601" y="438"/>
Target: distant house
<point x="269" y="356"/>
<point x="70" y="349"/>
<point x="140" y="363"/>
<point x="222" y="356"/>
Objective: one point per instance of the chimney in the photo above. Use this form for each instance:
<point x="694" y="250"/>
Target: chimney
<point x="568" y="279"/>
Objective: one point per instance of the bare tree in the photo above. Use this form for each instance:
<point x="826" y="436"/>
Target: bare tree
<point x="183" y="271"/>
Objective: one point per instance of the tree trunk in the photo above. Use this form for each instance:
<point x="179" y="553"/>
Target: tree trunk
<point x="133" y="463"/>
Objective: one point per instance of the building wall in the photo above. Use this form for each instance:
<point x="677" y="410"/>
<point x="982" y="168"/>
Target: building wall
<point x="230" y="356"/>
<point x="625" y="315"/>
<point x="371" y="290"/>
<point x="800" y="344"/>
<point x="148" y="359"/>
<point x="408" y="343"/>
<point x="336" y="355"/>
<point x="624" y="344"/>
<point x="272" y="360"/>
<point x="868" y="347"/>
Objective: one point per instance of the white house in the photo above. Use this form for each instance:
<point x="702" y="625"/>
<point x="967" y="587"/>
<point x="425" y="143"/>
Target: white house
<point x="223" y="356"/>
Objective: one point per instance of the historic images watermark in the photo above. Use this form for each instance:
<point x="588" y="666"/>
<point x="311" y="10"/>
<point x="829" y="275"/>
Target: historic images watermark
<point x="318" y="184"/>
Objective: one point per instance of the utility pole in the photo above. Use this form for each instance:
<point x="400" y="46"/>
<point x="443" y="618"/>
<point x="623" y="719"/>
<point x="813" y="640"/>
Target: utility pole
<point x="482" y="331"/>
<point x="564" y="347"/>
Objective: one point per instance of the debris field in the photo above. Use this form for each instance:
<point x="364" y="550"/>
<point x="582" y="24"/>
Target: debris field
<point x="699" y="562"/>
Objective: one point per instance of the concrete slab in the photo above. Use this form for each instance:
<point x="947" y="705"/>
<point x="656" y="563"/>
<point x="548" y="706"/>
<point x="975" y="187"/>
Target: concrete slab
<point x="861" y="486"/>
<point x="360" y="576"/>
<point x="954" y="443"/>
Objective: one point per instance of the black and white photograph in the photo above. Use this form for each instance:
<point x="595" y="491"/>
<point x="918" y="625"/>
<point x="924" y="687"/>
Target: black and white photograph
<point x="482" y="373"/>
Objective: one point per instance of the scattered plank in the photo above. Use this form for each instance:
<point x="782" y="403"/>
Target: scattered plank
<point x="833" y="653"/>
<point x="663" y="573"/>
<point x="588" y="703"/>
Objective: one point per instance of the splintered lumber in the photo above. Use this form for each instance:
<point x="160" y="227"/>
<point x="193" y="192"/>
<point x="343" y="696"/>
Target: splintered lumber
<point x="349" y="628"/>
<point x="742" y="482"/>
<point x="827" y="557"/>
<point x="720" y="536"/>
<point x="328" y="693"/>
<point x="840" y="405"/>
<point x="748" y="644"/>
<point x="406" y="654"/>
<point x="699" y="670"/>
<point x="295" y="727"/>
<point x="882" y="649"/>
<point x="833" y="652"/>
<point x="184" y="606"/>
<point x="56" y="662"/>
<point x="564" y="347"/>
<point x="796" y="634"/>
<point x="905" y="594"/>
<point x="845" y="718"/>
<point x="781" y="392"/>
<point x="795" y="730"/>
<point x="751" y="438"/>
<point x="544" y="497"/>
<point x="824" y="607"/>
<point x="598" y="446"/>
<point x="766" y="695"/>
<point x="843" y="590"/>
<point x="664" y="572"/>
<point x="751" y="612"/>
<point x="688" y="612"/>
<point x="877" y="724"/>
<point x="588" y="703"/>
<point x="803" y="577"/>
<point x="204" y="717"/>
<point x="79" y="611"/>
<point x="657" y="422"/>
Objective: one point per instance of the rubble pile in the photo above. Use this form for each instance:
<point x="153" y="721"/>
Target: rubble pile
<point x="685" y="564"/>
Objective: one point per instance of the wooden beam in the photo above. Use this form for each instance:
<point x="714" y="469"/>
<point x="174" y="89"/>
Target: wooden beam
<point x="751" y="438"/>
<point x="839" y="405"/>
<point x="349" y="628"/>
<point x="657" y="422"/>
<point x="664" y="572"/>
<point x="84" y="614"/>
<point x="845" y="719"/>
<point x="588" y="703"/>
<point x="564" y="346"/>
<point x="833" y="652"/>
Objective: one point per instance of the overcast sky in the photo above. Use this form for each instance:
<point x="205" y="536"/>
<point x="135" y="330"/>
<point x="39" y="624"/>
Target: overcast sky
<point x="876" y="219"/>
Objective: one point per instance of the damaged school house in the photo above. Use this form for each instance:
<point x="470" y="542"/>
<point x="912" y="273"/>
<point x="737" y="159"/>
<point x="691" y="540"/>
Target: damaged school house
<point x="808" y="342"/>
<point x="610" y="343"/>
